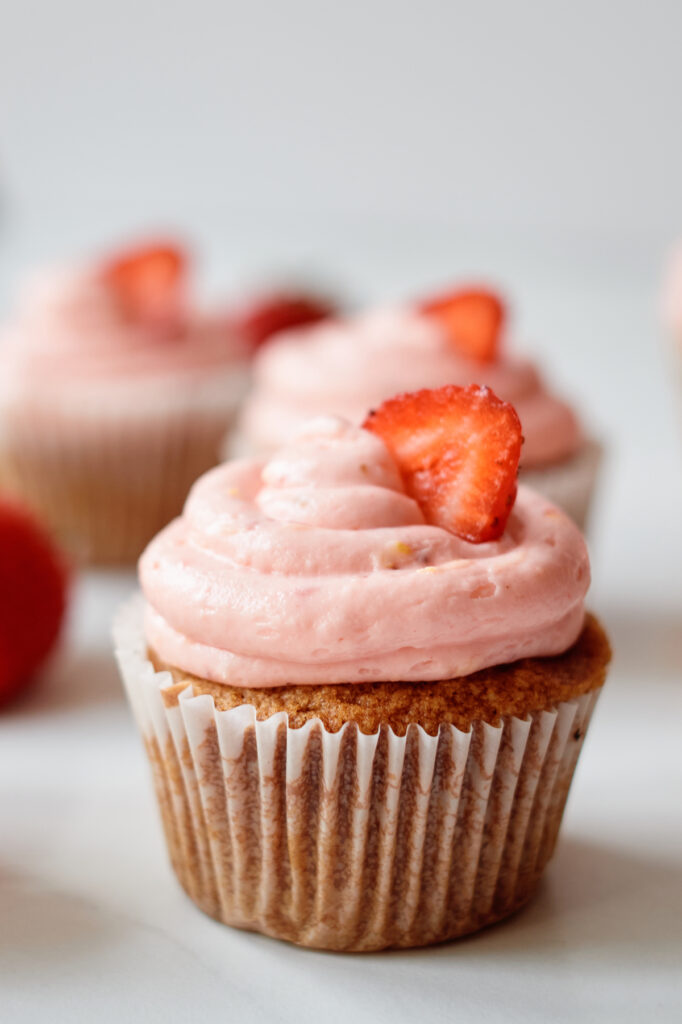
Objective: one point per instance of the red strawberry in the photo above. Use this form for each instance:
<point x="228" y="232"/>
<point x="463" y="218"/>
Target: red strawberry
<point x="277" y="312"/>
<point x="147" y="282"/>
<point x="473" y="319"/>
<point x="458" y="450"/>
<point x="32" y="598"/>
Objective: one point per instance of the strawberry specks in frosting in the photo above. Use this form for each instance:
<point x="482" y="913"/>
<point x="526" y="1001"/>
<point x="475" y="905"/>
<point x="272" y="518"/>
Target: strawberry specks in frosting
<point x="309" y="568"/>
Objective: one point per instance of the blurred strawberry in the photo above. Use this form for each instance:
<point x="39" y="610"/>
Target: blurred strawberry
<point x="148" y="282"/>
<point x="458" y="451"/>
<point x="279" y="311"/>
<point x="473" y="319"/>
<point x="32" y="598"/>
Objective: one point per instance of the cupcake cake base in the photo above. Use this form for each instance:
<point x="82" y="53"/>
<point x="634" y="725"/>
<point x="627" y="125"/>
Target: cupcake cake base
<point x="359" y="824"/>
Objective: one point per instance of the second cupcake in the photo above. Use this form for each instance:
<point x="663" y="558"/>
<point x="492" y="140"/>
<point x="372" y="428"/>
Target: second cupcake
<point x="349" y="365"/>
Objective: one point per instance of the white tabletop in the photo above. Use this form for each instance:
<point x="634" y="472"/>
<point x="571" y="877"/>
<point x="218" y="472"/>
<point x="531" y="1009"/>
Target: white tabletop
<point x="93" y="925"/>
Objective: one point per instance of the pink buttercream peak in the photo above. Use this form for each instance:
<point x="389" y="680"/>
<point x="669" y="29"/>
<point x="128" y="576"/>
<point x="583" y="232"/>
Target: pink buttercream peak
<point x="69" y="328"/>
<point x="316" y="567"/>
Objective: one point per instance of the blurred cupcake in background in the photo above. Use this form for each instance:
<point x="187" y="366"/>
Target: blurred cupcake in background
<point x="115" y="392"/>
<point x="346" y="366"/>
<point x="267" y="313"/>
<point x="672" y="309"/>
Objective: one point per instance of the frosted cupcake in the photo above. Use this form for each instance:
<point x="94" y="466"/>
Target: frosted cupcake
<point x="347" y="366"/>
<point x="363" y="674"/>
<point x="672" y="309"/>
<point x="114" y="395"/>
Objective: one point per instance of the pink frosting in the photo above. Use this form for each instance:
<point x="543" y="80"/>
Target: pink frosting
<point x="316" y="567"/>
<point x="346" y="367"/>
<point x="68" y="331"/>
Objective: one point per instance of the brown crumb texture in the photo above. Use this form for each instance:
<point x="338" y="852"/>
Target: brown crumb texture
<point x="528" y="685"/>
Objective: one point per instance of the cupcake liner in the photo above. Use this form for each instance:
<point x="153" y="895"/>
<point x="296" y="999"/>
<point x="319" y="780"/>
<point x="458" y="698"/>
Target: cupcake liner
<point x="106" y="481"/>
<point x="348" y="841"/>
<point x="570" y="484"/>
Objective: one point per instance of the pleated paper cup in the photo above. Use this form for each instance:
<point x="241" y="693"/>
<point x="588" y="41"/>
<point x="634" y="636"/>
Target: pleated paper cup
<point x="570" y="484"/>
<point x="347" y="841"/>
<point x="106" y="478"/>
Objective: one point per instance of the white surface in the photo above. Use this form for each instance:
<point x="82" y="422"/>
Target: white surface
<point x="93" y="922"/>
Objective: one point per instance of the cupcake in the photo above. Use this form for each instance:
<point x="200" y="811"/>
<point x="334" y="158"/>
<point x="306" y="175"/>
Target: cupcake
<point x="114" y="396"/>
<point x="363" y="673"/>
<point x="672" y="310"/>
<point x="347" y="366"/>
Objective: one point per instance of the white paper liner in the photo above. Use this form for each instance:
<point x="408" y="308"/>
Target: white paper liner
<point x="343" y="840"/>
<point x="107" y="483"/>
<point x="570" y="484"/>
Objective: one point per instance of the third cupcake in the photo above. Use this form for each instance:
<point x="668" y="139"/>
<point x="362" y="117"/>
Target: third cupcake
<point x="349" y="365"/>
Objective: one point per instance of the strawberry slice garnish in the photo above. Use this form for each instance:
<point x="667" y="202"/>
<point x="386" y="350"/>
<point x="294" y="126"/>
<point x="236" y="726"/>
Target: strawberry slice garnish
<point x="458" y="451"/>
<point x="280" y="311"/>
<point x="148" y="284"/>
<point x="473" y="319"/>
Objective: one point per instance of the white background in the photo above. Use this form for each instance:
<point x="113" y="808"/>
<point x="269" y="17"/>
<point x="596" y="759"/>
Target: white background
<point x="381" y="147"/>
<point x="530" y="117"/>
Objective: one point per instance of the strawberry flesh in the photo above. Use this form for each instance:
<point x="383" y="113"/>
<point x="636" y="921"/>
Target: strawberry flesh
<point x="458" y="451"/>
<point x="473" y="319"/>
<point x="148" y="284"/>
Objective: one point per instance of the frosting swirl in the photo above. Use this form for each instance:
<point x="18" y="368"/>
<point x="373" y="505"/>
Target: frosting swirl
<point x="69" y="331"/>
<point x="316" y="567"/>
<point x="347" y="366"/>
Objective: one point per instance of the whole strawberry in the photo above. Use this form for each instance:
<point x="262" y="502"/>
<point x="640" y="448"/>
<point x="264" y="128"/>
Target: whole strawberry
<point x="281" y="311"/>
<point x="32" y="598"/>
